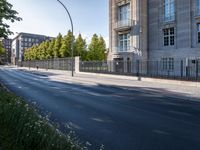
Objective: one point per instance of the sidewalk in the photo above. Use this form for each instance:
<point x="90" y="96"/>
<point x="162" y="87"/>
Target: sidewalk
<point x="180" y="87"/>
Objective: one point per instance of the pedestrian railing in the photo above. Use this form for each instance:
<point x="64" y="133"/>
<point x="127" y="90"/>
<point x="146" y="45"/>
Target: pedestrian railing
<point x="56" y="63"/>
<point x="166" y="68"/>
<point x="180" y="69"/>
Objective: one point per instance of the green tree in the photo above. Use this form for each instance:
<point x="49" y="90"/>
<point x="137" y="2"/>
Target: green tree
<point x="93" y="48"/>
<point x="36" y="52"/>
<point x="102" y="49"/>
<point x="50" y="49"/>
<point x="7" y="13"/>
<point x="42" y="51"/>
<point x="97" y="48"/>
<point x="2" y="50"/>
<point x="26" y="54"/>
<point x="57" y="46"/>
<point x="65" y="50"/>
<point x="80" y="48"/>
<point x="46" y="46"/>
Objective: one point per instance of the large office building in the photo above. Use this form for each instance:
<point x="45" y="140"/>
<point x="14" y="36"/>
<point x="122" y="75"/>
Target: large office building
<point x="23" y="41"/>
<point x="165" y="30"/>
<point x="7" y="46"/>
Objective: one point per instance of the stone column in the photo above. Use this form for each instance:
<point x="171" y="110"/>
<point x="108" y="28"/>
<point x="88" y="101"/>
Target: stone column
<point x="77" y="64"/>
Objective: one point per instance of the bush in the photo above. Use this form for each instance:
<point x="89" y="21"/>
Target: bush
<point x="21" y="128"/>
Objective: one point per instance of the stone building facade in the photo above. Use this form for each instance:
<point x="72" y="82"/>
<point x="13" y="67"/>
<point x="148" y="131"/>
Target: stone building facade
<point x="128" y="29"/>
<point x="174" y="32"/>
<point x="164" y="30"/>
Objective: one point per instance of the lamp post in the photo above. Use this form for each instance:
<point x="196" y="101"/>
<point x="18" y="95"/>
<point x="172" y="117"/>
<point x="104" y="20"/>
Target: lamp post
<point x="72" y="44"/>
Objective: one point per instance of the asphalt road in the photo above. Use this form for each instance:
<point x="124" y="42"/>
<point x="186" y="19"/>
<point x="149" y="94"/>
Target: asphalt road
<point x="120" y="118"/>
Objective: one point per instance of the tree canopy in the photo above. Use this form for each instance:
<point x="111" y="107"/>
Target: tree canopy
<point x="60" y="47"/>
<point x="2" y="50"/>
<point x="97" y="48"/>
<point x="7" y="14"/>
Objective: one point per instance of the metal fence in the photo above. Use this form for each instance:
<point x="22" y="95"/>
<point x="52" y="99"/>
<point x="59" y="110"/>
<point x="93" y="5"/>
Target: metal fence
<point x="179" y="69"/>
<point x="56" y="63"/>
<point x="188" y="69"/>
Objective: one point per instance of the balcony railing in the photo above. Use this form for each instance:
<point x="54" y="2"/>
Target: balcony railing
<point x="169" y="18"/>
<point x="128" y="49"/>
<point x="118" y="1"/>
<point x="122" y="49"/>
<point x="123" y="24"/>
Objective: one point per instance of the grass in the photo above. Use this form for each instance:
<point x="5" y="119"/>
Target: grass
<point x="21" y="128"/>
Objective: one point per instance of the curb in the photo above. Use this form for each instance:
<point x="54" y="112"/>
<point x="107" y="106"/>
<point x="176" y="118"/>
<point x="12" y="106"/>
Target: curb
<point x="164" y="81"/>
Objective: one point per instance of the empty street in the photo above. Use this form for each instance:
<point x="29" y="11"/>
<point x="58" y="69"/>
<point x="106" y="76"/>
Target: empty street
<point x="120" y="118"/>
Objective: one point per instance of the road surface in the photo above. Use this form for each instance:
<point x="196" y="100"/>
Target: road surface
<point x="120" y="118"/>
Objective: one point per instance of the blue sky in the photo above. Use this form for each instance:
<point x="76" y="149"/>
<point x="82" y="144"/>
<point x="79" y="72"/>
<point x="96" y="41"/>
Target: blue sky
<point x="48" y="17"/>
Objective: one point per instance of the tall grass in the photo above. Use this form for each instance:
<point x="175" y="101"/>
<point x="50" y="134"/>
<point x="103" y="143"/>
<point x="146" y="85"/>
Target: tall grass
<point x="21" y="128"/>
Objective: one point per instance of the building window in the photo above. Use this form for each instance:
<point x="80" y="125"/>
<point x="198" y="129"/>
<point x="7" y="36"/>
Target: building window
<point x="169" y="10"/>
<point x="198" y="32"/>
<point x="124" y="42"/>
<point x="124" y="12"/>
<point x="171" y="63"/>
<point x="169" y="39"/>
<point x="197" y="7"/>
<point x="167" y="63"/>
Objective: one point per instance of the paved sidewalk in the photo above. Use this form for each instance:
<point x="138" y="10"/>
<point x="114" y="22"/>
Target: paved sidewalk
<point x="177" y="87"/>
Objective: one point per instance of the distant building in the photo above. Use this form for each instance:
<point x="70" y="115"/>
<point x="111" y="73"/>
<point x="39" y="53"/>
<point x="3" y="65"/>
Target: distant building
<point x="23" y="41"/>
<point x="7" y="46"/>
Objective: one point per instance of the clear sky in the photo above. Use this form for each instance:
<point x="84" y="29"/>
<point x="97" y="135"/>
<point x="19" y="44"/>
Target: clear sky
<point x="48" y="17"/>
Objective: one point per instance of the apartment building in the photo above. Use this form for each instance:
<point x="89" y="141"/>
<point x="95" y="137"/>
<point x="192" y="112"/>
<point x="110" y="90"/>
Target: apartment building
<point x="7" y="46"/>
<point x="163" y="30"/>
<point x="128" y="29"/>
<point x="23" y="41"/>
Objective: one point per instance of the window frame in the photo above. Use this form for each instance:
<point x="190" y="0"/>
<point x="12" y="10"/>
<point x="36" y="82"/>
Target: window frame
<point x="124" y="12"/>
<point x="169" y="10"/>
<point x="167" y="64"/>
<point x="197" y="4"/>
<point x="124" y="42"/>
<point x="168" y="36"/>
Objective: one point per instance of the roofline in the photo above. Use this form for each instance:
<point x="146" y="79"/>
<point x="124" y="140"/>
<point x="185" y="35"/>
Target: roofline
<point x="20" y="33"/>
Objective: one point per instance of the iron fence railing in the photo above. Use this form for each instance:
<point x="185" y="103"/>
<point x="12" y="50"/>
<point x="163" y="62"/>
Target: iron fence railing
<point x="166" y="68"/>
<point x="56" y="63"/>
<point x="181" y="69"/>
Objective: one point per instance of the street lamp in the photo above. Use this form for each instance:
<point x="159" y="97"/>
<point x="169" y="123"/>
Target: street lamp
<point x="72" y="28"/>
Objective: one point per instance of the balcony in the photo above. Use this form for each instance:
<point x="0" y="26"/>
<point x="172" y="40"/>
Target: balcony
<point x="120" y="1"/>
<point x="169" y="18"/>
<point x="128" y="49"/>
<point x="123" y="25"/>
<point x="122" y="49"/>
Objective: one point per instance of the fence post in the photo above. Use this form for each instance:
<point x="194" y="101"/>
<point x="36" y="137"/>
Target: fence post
<point x="138" y="68"/>
<point x="157" y="68"/>
<point x="181" y="68"/>
<point x="77" y="64"/>
<point x="197" y="69"/>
